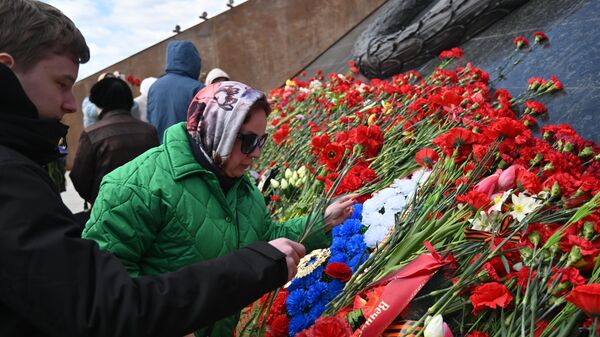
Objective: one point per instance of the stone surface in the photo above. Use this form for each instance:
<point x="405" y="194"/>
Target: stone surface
<point x="573" y="55"/>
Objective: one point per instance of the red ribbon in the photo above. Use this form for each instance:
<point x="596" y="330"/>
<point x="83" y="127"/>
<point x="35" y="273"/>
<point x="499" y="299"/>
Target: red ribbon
<point x="402" y="286"/>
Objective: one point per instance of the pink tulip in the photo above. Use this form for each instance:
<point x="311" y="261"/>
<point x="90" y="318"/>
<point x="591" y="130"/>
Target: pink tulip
<point x="507" y="179"/>
<point x="447" y="331"/>
<point x="488" y="185"/>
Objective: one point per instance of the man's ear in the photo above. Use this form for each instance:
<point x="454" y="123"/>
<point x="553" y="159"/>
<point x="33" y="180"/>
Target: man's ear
<point x="7" y="60"/>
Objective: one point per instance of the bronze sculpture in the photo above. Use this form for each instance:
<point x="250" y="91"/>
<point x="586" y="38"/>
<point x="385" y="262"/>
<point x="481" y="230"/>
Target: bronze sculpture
<point x="413" y="31"/>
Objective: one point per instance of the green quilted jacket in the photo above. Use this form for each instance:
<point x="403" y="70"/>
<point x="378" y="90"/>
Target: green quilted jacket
<point x="163" y="210"/>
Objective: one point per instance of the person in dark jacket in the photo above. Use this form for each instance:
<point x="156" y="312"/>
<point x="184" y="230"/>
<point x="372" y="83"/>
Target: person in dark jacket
<point x="170" y="95"/>
<point x="52" y="282"/>
<point x="114" y="140"/>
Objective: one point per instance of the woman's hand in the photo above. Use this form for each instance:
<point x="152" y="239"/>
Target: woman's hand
<point x="339" y="211"/>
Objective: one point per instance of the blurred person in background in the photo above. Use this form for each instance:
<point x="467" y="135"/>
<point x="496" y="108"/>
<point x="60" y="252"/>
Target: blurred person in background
<point x="170" y="95"/>
<point x="142" y="100"/>
<point x="114" y="140"/>
<point x="216" y="75"/>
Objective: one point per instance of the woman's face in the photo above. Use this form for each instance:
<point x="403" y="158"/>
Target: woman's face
<point x="238" y="162"/>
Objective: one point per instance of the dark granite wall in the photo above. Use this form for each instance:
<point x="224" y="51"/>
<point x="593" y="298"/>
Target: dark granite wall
<point x="573" y="55"/>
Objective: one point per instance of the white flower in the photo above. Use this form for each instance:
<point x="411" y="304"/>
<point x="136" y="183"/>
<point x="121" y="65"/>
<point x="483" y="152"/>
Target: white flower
<point x="484" y="221"/>
<point x="379" y="211"/>
<point x="288" y="173"/>
<point x="302" y="171"/>
<point x="499" y="201"/>
<point x="315" y="84"/>
<point x="284" y="184"/>
<point x="296" y="182"/>
<point x="274" y="183"/>
<point x="523" y="205"/>
<point x="434" y="327"/>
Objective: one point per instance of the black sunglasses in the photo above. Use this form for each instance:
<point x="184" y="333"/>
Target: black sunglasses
<point x="251" y="140"/>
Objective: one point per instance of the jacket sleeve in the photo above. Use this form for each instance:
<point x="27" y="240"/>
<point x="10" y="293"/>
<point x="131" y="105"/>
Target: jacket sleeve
<point x="84" y="168"/>
<point x="293" y="229"/>
<point x="125" y="220"/>
<point x="66" y="286"/>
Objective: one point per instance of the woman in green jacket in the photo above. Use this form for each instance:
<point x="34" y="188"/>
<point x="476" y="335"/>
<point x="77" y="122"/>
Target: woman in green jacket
<point x="190" y="200"/>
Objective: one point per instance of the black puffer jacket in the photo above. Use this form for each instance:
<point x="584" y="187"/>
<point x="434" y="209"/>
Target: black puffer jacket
<point x="53" y="283"/>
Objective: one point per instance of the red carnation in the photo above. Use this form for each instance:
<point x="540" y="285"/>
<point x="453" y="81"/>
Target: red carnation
<point x="523" y="276"/>
<point x="331" y="326"/>
<point x="528" y="121"/>
<point x="540" y="37"/>
<point x="353" y="67"/>
<point x="529" y="181"/>
<point x="520" y="41"/>
<point x="426" y="157"/>
<point x="557" y="84"/>
<point x="318" y="143"/>
<point x="477" y="200"/>
<point x="457" y="138"/>
<point x="535" y="108"/>
<point x="490" y="295"/>
<point x="338" y="270"/>
<point x="535" y="82"/>
<point x="505" y="127"/>
<point x="332" y="155"/>
<point x="281" y="134"/>
<point x="587" y="298"/>
<point x="570" y="275"/>
<point x="279" y="326"/>
<point x="452" y="53"/>
<point x="476" y="333"/>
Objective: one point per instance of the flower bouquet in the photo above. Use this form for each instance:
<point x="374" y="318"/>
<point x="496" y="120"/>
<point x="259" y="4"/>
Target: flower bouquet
<point x="471" y="225"/>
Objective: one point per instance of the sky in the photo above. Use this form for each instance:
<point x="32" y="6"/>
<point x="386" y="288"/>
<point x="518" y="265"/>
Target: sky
<point x="116" y="29"/>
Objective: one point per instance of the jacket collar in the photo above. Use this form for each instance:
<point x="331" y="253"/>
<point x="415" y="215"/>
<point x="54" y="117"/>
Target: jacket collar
<point x="111" y="113"/>
<point x="20" y="127"/>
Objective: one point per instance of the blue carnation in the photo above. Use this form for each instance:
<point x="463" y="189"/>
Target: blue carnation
<point x="297" y="324"/>
<point x="347" y="228"/>
<point x="313" y="277"/>
<point x="314" y="292"/>
<point x="338" y="246"/>
<point x="315" y="312"/>
<point x="357" y="212"/>
<point x="295" y="302"/>
<point x="333" y="289"/>
<point x="339" y="257"/>
<point x="356" y="245"/>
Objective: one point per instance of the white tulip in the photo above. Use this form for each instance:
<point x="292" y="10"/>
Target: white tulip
<point x="302" y="171"/>
<point x="434" y="327"/>
<point x="284" y="184"/>
<point x="288" y="173"/>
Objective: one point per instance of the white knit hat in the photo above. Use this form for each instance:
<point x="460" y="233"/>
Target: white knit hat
<point x="214" y="74"/>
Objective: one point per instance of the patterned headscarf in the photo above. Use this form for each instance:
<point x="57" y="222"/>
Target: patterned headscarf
<point x="216" y="114"/>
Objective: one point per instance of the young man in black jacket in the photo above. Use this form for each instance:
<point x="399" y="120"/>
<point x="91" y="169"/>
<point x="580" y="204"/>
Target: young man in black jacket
<point x="52" y="282"/>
